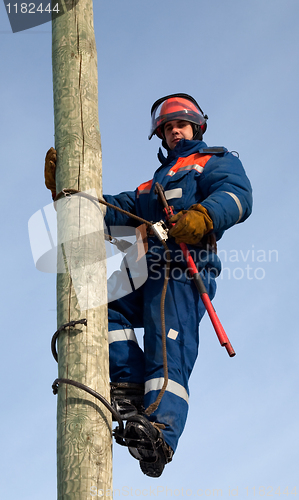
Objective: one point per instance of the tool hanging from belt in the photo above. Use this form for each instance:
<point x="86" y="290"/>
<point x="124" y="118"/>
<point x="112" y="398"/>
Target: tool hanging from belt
<point x="223" y="338"/>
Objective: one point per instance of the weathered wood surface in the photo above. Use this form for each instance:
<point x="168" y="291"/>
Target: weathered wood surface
<point x="84" y="460"/>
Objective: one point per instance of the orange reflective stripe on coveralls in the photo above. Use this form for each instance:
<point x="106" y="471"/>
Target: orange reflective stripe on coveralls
<point x="195" y="161"/>
<point x="144" y="188"/>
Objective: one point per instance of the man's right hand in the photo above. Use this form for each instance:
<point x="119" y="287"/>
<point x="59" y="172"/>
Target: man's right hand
<point x="50" y="168"/>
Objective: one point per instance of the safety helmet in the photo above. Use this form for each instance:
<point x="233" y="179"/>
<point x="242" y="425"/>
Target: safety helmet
<point x="176" y="107"/>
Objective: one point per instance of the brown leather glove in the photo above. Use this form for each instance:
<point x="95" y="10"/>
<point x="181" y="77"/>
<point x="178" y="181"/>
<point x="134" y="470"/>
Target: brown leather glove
<point x="191" y="225"/>
<point x="50" y="167"/>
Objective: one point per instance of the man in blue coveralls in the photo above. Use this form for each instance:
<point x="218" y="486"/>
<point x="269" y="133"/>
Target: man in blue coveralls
<point x="209" y="192"/>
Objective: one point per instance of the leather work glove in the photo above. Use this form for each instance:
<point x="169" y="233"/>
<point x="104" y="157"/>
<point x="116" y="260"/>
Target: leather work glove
<point x="191" y="225"/>
<point x="50" y="167"/>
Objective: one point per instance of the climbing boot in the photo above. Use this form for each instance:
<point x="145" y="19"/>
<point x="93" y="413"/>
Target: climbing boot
<point x="127" y="398"/>
<point x="146" y="444"/>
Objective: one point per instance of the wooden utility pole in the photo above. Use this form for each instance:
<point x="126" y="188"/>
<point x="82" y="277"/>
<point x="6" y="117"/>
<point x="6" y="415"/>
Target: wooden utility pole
<point x="84" y="456"/>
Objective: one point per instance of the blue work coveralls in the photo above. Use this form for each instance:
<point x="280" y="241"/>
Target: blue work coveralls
<point x="191" y="173"/>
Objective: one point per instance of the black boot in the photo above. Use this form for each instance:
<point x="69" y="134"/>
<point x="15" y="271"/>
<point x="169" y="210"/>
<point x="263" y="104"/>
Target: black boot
<point x="127" y="398"/>
<point x="146" y="444"/>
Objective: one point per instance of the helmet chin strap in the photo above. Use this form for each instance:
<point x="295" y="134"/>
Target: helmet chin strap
<point x="197" y="132"/>
<point x="165" y="145"/>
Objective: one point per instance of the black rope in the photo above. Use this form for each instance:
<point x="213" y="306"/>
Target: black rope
<point x="93" y="393"/>
<point x="58" y="381"/>
<point x="54" y="338"/>
<point x="66" y="192"/>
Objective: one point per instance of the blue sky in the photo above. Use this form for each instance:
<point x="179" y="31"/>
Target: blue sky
<point x="240" y="61"/>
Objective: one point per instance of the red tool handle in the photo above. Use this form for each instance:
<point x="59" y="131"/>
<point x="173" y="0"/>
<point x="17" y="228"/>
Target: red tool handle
<point x="220" y="332"/>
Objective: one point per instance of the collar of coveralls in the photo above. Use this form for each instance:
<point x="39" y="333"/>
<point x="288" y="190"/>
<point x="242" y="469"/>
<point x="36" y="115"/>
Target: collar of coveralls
<point x="183" y="148"/>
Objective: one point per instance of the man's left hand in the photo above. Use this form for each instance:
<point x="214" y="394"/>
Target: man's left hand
<point x="191" y="225"/>
<point x="50" y="170"/>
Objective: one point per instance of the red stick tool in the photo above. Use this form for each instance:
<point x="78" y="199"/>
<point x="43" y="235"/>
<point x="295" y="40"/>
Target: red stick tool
<point x="223" y="338"/>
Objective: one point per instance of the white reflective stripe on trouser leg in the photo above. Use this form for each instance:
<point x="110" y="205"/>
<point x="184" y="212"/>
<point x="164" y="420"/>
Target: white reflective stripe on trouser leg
<point x="155" y="384"/>
<point x="121" y="335"/>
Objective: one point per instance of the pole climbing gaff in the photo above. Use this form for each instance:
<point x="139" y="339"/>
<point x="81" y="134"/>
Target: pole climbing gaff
<point x="220" y="332"/>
